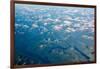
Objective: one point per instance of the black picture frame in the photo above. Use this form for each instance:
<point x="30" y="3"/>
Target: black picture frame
<point x="51" y="4"/>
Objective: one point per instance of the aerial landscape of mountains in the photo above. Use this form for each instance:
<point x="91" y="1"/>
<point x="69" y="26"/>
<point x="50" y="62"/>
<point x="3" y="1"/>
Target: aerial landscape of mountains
<point x="47" y="34"/>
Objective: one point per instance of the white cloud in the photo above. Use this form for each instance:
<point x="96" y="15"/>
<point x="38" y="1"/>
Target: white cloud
<point x="21" y="25"/>
<point x="76" y="25"/>
<point x="57" y="20"/>
<point x="68" y="23"/>
<point x="49" y="15"/>
<point x="17" y="25"/>
<point x="67" y="30"/>
<point x="68" y="17"/>
<point x="41" y="46"/>
<point x="70" y="29"/>
<point x="75" y="11"/>
<point x="25" y="26"/>
<point x="34" y="25"/>
<point x="88" y="37"/>
<point x="77" y="19"/>
<point x="45" y="24"/>
<point x="48" y="19"/>
<point x="58" y="27"/>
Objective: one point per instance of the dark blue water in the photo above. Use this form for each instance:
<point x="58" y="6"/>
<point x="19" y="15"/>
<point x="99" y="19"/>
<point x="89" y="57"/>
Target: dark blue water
<point x="53" y="34"/>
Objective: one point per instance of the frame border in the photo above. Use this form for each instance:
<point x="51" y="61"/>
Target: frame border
<point x="12" y="20"/>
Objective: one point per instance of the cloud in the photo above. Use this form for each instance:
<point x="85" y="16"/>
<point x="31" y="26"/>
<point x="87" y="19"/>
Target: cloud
<point x="34" y="25"/>
<point x="42" y="46"/>
<point x="88" y="37"/>
<point x="58" y="27"/>
<point x="21" y="26"/>
<point x="25" y="26"/>
<point x="68" y="17"/>
<point x="48" y="20"/>
<point x="70" y="30"/>
<point x="57" y="20"/>
<point x="17" y="25"/>
<point x="76" y="25"/>
<point x="68" y="23"/>
<point x="45" y="24"/>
